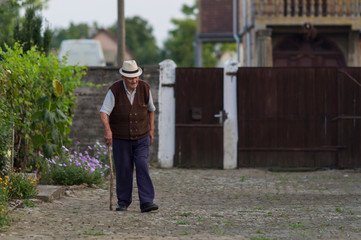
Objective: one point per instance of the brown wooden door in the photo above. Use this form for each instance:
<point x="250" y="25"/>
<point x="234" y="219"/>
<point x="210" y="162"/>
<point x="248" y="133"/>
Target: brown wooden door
<point x="298" y="51"/>
<point x="199" y="134"/>
<point x="285" y="117"/>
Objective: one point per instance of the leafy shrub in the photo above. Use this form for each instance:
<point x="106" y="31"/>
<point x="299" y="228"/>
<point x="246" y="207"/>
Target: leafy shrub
<point x="21" y="187"/>
<point x="37" y="98"/>
<point x="73" y="168"/>
<point x="4" y="220"/>
<point x="15" y="186"/>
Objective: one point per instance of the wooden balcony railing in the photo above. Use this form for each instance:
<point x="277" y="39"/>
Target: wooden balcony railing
<point x="308" y="8"/>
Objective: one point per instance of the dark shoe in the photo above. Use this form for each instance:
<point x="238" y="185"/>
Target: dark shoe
<point x="121" y="208"/>
<point x="149" y="206"/>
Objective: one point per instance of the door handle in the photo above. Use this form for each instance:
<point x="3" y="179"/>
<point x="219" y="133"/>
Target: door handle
<point x="220" y="116"/>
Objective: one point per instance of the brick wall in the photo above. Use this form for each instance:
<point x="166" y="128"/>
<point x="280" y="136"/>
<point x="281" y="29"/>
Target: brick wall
<point x="87" y="127"/>
<point x="216" y="16"/>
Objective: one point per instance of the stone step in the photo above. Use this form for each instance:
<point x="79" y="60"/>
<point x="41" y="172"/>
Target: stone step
<point x="49" y="193"/>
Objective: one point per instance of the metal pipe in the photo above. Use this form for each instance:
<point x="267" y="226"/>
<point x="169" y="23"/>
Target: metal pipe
<point x="235" y="28"/>
<point x="245" y="25"/>
<point x="246" y="31"/>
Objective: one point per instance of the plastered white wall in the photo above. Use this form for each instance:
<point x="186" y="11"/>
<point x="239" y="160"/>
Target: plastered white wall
<point x="230" y="125"/>
<point x="166" y="114"/>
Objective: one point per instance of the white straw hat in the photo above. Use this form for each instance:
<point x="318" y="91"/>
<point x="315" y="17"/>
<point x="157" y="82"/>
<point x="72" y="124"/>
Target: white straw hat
<point x="130" y="69"/>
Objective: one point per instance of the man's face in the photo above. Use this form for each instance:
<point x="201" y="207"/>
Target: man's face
<point x="131" y="83"/>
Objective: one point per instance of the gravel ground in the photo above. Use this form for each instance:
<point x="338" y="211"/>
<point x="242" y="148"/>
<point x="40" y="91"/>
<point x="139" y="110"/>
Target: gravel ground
<point x="207" y="204"/>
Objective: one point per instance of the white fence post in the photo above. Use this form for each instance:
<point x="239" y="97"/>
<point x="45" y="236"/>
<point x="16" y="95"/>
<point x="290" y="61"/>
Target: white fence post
<point x="166" y="123"/>
<point x="230" y="126"/>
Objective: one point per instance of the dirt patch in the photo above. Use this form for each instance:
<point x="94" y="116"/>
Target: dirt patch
<point x="207" y="204"/>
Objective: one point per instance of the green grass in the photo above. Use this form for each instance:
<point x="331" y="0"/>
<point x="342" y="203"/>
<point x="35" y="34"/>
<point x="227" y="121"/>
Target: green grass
<point x="235" y="196"/>
<point x="185" y="214"/>
<point x="28" y="203"/>
<point x="272" y="197"/>
<point x="182" y="222"/>
<point x="339" y="210"/>
<point x="296" y="225"/>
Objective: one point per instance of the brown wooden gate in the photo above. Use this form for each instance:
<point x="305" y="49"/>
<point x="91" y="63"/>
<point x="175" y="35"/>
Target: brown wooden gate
<point x="199" y="134"/>
<point x="299" y="117"/>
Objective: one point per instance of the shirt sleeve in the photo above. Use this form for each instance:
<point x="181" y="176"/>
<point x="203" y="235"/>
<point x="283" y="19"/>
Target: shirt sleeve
<point x="151" y="107"/>
<point x="108" y="103"/>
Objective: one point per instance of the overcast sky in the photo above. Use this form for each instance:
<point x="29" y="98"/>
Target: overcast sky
<point x="158" y="13"/>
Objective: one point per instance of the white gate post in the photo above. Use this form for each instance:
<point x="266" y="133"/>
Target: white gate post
<point x="230" y="126"/>
<point x="166" y="123"/>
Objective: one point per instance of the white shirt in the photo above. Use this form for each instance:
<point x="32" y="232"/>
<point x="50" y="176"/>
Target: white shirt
<point x="109" y="101"/>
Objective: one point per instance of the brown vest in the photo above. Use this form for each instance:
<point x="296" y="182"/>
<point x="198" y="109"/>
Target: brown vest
<point x="128" y="121"/>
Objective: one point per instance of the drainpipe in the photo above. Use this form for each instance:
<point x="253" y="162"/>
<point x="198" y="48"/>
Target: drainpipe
<point x="235" y="28"/>
<point x="248" y="35"/>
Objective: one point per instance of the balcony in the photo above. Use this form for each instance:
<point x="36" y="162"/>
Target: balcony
<point x="322" y="12"/>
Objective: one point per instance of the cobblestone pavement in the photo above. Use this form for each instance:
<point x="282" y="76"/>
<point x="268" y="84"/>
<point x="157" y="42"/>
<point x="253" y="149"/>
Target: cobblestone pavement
<point x="208" y="204"/>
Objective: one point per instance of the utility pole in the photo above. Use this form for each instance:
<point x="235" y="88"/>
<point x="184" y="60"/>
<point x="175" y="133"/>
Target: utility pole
<point x="121" y="33"/>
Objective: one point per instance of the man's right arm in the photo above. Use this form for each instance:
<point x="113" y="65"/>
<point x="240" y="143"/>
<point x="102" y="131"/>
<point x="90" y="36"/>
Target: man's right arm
<point x="107" y="131"/>
<point x="105" y="111"/>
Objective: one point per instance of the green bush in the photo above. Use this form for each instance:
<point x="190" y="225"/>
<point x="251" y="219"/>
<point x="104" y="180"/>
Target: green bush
<point x="21" y="186"/>
<point x="14" y="186"/>
<point x="74" y="168"/>
<point x="37" y="98"/>
<point x="4" y="220"/>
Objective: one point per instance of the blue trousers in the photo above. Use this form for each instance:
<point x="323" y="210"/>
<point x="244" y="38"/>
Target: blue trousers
<point x="128" y="153"/>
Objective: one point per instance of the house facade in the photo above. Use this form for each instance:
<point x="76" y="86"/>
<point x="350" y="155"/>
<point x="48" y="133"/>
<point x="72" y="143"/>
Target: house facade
<point x="283" y="33"/>
<point x="109" y="45"/>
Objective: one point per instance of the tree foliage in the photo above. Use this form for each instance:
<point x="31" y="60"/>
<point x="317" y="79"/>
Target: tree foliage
<point x="9" y="13"/>
<point x="179" y="46"/>
<point x="28" y="31"/>
<point x="139" y="40"/>
<point x="74" y="31"/>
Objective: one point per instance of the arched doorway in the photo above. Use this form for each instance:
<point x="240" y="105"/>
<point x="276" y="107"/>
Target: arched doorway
<point x="296" y="51"/>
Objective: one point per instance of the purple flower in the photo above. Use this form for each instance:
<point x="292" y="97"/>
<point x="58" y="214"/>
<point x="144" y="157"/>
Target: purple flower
<point x="90" y="147"/>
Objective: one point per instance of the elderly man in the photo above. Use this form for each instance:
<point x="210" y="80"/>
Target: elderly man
<point x="127" y="115"/>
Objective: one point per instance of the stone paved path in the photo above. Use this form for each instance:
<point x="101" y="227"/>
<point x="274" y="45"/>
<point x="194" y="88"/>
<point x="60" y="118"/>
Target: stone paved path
<point x="208" y="204"/>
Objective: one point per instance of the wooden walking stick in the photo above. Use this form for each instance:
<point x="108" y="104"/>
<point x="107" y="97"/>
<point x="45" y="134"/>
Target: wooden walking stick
<point x="111" y="179"/>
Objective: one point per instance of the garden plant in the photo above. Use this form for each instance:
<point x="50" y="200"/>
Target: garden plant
<point x="37" y="102"/>
<point x="37" y="106"/>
